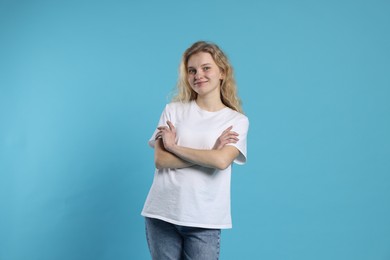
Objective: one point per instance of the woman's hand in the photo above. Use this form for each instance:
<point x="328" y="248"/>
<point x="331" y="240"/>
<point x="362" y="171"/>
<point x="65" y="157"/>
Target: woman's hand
<point x="168" y="135"/>
<point x="227" y="137"/>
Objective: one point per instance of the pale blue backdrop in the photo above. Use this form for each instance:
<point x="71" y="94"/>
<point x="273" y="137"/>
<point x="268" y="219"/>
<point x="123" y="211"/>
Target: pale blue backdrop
<point x="83" y="83"/>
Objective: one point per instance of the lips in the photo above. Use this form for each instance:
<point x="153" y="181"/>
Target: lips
<point x="199" y="83"/>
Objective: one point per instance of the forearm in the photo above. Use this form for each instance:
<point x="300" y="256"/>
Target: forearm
<point x="218" y="159"/>
<point x="165" y="159"/>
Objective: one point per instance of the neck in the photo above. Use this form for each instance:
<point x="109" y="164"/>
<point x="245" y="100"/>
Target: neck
<point x="210" y="104"/>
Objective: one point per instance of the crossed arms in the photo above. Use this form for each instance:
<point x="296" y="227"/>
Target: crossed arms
<point x="167" y="154"/>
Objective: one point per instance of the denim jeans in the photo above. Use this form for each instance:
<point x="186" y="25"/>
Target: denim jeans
<point x="168" y="241"/>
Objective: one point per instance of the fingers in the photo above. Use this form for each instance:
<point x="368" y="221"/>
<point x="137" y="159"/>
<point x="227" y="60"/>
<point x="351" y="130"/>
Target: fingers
<point x="227" y="129"/>
<point x="226" y="137"/>
<point x="230" y="137"/>
<point x="160" y="132"/>
<point x="171" y="126"/>
<point x="230" y="140"/>
<point x="230" y="134"/>
<point x="158" y="135"/>
<point x="166" y="131"/>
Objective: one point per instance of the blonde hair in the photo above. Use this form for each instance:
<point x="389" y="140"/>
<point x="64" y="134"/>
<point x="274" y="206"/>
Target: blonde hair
<point x="229" y="95"/>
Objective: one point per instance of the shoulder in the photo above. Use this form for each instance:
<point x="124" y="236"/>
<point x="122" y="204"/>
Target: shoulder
<point x="174" y="109"/>
<point x="238" y="117"/>
<point x="177" y="105"/>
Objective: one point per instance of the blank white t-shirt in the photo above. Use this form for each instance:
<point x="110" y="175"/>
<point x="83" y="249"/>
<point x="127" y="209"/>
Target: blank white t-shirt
<point x="196" y="196"/>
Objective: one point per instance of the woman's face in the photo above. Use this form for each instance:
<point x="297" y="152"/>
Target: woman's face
<point x="203" y="74"/>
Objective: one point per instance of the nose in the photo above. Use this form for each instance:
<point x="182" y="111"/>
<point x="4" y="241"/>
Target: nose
<point x="198" y="74"/>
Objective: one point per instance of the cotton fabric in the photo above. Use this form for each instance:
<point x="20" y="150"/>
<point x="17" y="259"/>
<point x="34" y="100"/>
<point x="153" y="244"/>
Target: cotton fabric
<point x="196" y="196"/>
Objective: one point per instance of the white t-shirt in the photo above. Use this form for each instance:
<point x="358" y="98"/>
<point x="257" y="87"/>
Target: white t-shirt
<point x="196" y="196"/>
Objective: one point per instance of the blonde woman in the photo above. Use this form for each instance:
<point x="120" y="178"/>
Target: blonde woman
<point x="199" y="135"/>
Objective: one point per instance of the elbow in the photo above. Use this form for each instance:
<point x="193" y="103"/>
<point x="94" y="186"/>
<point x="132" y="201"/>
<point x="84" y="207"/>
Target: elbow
<point x="223" y="167"/>
<point x="158" y="163"/>
<point x="222" y="164"/>
<point x="224" y="159"/>
<point x="157" y="166"/>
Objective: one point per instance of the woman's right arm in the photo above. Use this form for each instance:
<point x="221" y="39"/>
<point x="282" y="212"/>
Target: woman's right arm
<point x="165" y="159"/>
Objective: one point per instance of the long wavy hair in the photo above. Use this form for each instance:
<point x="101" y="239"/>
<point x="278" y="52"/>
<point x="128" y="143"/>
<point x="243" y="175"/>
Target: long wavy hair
<point x="185" y="93"/>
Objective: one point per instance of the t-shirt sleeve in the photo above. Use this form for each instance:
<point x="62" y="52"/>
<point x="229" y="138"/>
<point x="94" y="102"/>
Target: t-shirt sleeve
<point x="162" y="122"/>
<point x="241" y="127"/>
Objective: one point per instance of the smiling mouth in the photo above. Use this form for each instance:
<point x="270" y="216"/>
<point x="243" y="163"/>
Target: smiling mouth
<point x="199" y="83"/>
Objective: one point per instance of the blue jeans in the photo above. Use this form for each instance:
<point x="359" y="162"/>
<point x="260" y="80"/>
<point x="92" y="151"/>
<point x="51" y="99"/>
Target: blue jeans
<point x="173" y="242"/>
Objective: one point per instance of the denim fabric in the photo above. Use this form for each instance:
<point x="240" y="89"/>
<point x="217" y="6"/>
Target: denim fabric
<point x="168" y="241"/>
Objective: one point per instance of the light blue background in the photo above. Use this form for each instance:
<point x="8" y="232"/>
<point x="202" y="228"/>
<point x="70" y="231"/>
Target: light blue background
<point x="83" y="83"/>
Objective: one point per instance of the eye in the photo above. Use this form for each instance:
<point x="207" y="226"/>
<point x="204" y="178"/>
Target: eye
<point x="191" y="71"/>
<point x="206" y="68"/>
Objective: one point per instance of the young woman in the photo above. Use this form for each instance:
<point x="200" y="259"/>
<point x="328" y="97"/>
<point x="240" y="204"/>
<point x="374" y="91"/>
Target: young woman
<point x="199" y="135"/>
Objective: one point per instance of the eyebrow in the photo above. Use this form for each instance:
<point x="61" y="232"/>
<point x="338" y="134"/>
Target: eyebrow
<point x="205" y="64"/>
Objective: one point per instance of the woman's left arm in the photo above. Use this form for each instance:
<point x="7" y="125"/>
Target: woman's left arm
<point x="216" y="158"/>
<point x="219" y="159"/>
